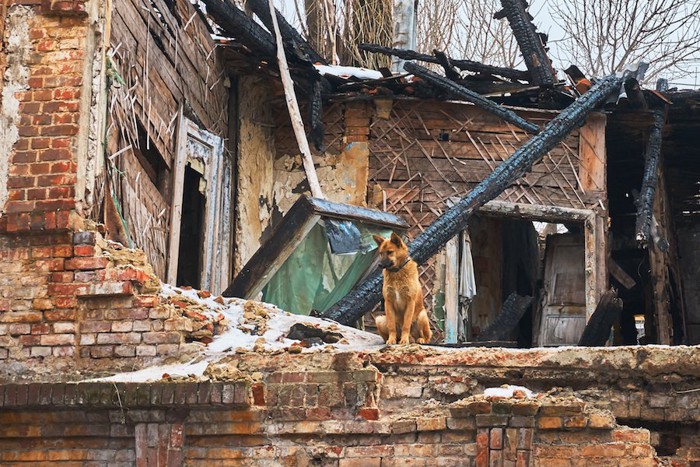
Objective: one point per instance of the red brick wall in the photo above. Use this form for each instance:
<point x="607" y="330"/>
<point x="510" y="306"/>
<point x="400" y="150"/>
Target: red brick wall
<point x="42" y="172"/>
<point x="226" y="423"/>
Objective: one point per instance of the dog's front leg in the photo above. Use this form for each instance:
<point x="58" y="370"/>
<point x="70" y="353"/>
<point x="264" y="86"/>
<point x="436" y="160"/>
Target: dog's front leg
<point x="390" y="322"/>
<point x="407" y="321"/>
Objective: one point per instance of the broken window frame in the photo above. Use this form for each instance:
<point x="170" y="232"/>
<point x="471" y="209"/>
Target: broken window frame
<point x="215" y="254"/>
<point x="595" y="247"/>
<point x="291" y="232"/>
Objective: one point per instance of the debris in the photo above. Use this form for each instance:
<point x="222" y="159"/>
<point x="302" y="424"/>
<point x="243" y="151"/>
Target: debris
<point x="302" y="331"/>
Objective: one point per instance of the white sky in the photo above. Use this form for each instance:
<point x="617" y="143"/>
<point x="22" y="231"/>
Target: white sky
<point x="543" y="20"/>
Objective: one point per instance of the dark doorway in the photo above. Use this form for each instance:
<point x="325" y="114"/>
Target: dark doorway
<point x="189" y="266"/>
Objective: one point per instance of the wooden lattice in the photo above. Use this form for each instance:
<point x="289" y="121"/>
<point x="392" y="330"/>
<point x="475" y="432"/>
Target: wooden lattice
<point x="426" y="154"/>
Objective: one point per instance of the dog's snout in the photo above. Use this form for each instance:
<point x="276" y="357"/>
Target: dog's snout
<point x="385" y="263"/>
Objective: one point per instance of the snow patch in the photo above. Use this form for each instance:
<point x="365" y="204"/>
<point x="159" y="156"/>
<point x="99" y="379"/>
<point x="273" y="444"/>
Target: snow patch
<point x="348" y="72"/>
<point x="240" y="336"/>
<point x="508" y="391"/>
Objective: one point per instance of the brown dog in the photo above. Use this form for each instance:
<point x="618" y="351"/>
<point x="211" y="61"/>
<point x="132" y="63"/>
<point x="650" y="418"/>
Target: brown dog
<point x="403" y="297"/>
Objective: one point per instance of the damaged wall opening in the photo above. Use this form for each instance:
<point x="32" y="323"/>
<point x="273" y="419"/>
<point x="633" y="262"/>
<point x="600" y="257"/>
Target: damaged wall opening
<point x="191" y="230"/>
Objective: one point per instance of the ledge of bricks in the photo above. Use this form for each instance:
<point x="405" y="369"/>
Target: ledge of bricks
<point x="127" y="395"/>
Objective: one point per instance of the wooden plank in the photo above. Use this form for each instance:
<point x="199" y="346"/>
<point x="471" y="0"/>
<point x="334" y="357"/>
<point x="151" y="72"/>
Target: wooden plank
<point x="452" y="290"/>
<point x="592" y="153"/>
<point x="534" y="212"/>
<point x="620" y="274"/>
<point x="176" y="202"/>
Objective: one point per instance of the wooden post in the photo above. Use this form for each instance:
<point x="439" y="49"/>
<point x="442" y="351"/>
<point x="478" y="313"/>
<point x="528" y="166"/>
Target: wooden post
<point x="294" y="113"/>
<point x="451" y="290"/>
<point x="176" y="202"/>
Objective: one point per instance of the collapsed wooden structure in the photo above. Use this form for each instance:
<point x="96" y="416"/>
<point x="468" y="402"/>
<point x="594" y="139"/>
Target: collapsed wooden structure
<point x="202" y="178"/>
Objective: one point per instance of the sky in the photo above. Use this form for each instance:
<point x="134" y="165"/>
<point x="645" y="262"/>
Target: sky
<point x="544" y="22"/>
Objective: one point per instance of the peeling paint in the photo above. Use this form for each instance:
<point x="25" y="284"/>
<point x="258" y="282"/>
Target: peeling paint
<point x="16" y="78"/>
<point x="255" y="171"/>
<point x="93" y="98"/>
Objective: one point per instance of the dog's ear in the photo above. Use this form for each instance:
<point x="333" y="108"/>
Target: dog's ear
<point x="379" y="239"/>
<point x="396" y="240"/>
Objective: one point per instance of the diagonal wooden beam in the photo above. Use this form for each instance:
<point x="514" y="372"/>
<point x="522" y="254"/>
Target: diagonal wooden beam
<point x="470" y="96"/>
<point x="364" y="296"/>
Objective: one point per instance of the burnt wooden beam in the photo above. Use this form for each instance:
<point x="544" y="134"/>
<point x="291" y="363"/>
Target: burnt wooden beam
<point x="529" y="41"/>
<point x="645" y="201"/>
<point x="470" y="96"/>
<point x="467" y="65"/>
<point x="512" y="311"/>
<point x="239" y="25"/>
<point x="315" y="115"/>
<point x="365" y="295"/>
<point x="446" y="64"/>
<point x="597" y="330"/>
<point x="295" y="43"/>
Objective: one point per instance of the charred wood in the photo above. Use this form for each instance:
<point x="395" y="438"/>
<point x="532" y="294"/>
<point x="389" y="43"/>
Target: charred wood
<point x="648" y="191"/>
<point x="467" y="65"/>
<point x="597" y="329"/>
<point x="446" y="64"/>
<point x="512" y="311"/>
<point x="365" y="295"/>
<point x="470" y="96"/>
<point x="530" y="42"/>
<point x="316" y="112"/>
<point x="236" y="23"/>
<point x="294" y="42"/>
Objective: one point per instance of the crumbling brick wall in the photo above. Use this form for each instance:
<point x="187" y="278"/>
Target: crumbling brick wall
<point x="318" y="409"/>
<point x="72" y="301"/>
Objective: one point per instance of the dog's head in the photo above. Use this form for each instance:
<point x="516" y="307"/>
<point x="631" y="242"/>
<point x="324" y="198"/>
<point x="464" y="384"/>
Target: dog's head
<point x="392" y="251"/>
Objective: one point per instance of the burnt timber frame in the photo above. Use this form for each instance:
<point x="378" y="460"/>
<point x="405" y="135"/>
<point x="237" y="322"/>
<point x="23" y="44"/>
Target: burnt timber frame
<point x="468" y="65"/>
<point x="364" y="296"/>
<point x="244" y="29"/>
<point x="651" y="172"/>
<point x="529" y="41"/>
<point x="290" y="35"/>
<point x="470" y="96"/>
<point x="291" y="231"/>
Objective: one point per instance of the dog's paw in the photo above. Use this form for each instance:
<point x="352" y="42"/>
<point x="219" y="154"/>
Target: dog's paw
<point x="405" y="341"/>
<point x="391" y="341"/>
<point x="420" y="340"/>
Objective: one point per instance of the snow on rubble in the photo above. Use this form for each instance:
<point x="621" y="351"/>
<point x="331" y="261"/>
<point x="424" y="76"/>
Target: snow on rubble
<point x="242" y="326"/>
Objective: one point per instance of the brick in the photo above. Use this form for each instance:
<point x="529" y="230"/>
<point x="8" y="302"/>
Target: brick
<point x="576" y="422"/>
<point x="496" y="438"/>
<point x="161" y="338"/>
<point x="105" y="289"/>
<point x="147" y="301"/>
<point x="461" y="423"/>
<point x="86" y="263"/>
<point x="146" y="350"/>
<point x="368" y="413"/>
<point x="57" y="339"/>
<point x="84" y="250"/>
<point x="42" y="304"/>
<point x="84" y="238"/>
<point x="601" y="420"/>
<point x="549" y="423"/>
<point x="431" y="423"/>
<point x="41" y="351"/>
<point x="18" y="329"/>
<point x="403" y="426"/>
<point x="631" y="435"/>
<point x="484" y="420"/>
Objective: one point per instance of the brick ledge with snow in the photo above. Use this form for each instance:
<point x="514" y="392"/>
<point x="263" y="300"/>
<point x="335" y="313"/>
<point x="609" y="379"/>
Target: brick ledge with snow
<point x="241" y="326"/>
